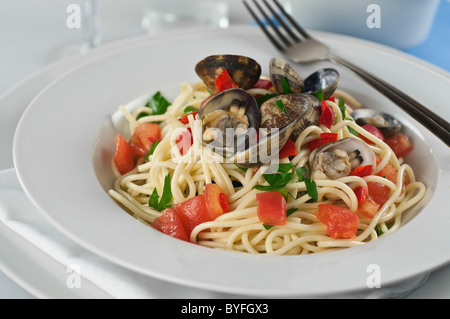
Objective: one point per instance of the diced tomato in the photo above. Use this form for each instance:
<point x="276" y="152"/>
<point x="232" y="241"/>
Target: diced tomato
<point x="185" y="141"/>
<point x="378" y="192"/>
<point x="332" y="99"/>
<point x="224" y="81"/>
<point x="263" y="84"/>
<point x="192" y="213"/>
<point x="391" y="173"/>
<point x="141" y="140"/>
<point x="400" y="144"/>
<point x="340" y="221"/>
<point x="288" y="149"/>
<point x="361" y="194"/>
<point x="362" y="171"/>
<point x="325" y="138"/>
<point x="123" y="155"/>
<point x="170" y="224"/>
<point x="369" y="207"/>
<point x="185" y="119"/>
<point x="372" y="130"/>
<point x="216" y="201"/>
<point x="327" y="116"/>
<point x="271" y="208"/>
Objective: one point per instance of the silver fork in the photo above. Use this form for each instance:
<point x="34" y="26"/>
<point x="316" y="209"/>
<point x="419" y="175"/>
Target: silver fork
<point x="298" y="45"/>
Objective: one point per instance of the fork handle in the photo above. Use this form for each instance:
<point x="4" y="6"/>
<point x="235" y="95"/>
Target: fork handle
<point x="432" y="121"/>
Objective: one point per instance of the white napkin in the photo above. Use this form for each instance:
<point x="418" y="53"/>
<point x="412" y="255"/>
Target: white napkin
<point x="18" y="214"/>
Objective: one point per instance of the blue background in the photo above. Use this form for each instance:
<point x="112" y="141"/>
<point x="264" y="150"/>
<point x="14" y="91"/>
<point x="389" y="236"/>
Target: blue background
<point x="436" y="48"/>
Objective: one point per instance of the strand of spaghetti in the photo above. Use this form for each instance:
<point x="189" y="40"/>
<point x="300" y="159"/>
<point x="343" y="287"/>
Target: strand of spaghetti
<point x="247" y="187"/>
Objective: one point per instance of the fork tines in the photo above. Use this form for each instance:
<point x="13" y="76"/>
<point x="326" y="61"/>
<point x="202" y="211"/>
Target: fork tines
<point x="276" y="23"/>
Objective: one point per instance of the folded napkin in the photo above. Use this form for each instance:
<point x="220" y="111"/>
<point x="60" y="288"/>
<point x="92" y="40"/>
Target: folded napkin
<point x="19" y="214"/>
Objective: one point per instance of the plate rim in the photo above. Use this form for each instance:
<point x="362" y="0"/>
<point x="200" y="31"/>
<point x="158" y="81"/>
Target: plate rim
<point x="139" y="43"/>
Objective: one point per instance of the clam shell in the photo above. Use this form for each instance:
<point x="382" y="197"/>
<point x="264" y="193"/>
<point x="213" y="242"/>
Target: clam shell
<point x="279" y="69"/>
<point x="244" y="71"/>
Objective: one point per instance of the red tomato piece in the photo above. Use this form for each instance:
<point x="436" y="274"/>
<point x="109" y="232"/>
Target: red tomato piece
<point x="224" y="81"/>
<point x="141" y="140"/>
<point x="288" y="149"/>
<point x="263" y="84"/>
<point x="170" y="224"/>
<point x="216" y="201"/>
<point x="325" y="138"/>
<point x="192" y="213"/>
<point x="185" y="119"/>
<point x="327" y="116"/>
<point x="378" y="192"/>
<point x="361" y="194"/>
<point x="400" y="144"/>
<point x="362" y="171"/>
<point x="369" y="207"/>
<point x="271" y="208"/>
<point x="372" y="130"/>
<point x="185" y="141"/>
<point x="123" y="155"/>
<point x="340" y="221"/>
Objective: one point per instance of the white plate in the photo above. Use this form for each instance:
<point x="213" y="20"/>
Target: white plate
<point x="59" y="136"/>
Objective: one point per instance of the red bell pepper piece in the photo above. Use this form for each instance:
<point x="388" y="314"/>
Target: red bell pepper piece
<point x="185" y="119"/>
<point x="327" y="116"/>
<point x="288" y="149"/>
<point x="325" y="138"/>
<point x="263" y="84"/>
<point x="362" y="171"/>
<point x="361" y="194"/>
<point x="224" y="81"/>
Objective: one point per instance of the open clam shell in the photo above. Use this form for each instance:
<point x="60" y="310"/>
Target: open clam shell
<point x="244" y="71"/>
<point x="387" y="124"/>
<point x="280" y="69"/>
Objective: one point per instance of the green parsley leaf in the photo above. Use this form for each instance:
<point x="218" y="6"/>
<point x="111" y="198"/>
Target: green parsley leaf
<point x="285" y="167"/>
<point x="261" y="99"/>
<point x="166" y="196"/>
<point x="291" y="211"/>
<point x="281" y="106"/>
<point x="285" y="85"/>
<point x="319" y="95"/>
<point x="301" y="173"/>
<point x="244" y="169"/>
<point x="151" y="151"/>
<point x="311" y="187"/>
<point x="341" y="104"/>
<point x="189" y="109"/>
<point x="267" y="226"/>
<point x="278" y="179"/>
<point x="158" y="104"/>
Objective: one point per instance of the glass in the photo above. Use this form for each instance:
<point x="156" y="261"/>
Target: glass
<point x="162" y="14"/>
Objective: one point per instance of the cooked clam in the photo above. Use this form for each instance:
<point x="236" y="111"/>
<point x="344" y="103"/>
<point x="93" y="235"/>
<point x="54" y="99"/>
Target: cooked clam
<point x="244" y="71"/>
<point x="387" y="124"/>
<point x="338" y="159"/>
<point x="280" y="69"/>
<point x="232" y="111"/>
<point x="325" y="80"/>
<point x="303" y="108"/>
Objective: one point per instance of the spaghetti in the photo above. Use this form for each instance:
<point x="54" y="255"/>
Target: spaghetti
<point x="240" y="229"/>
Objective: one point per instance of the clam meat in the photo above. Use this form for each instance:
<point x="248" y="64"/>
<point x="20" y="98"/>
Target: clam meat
<point x="337" y="159"/>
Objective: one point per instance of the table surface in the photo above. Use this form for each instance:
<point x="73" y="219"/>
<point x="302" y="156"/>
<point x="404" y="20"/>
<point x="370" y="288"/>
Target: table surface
<point x="34" y="34"/>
